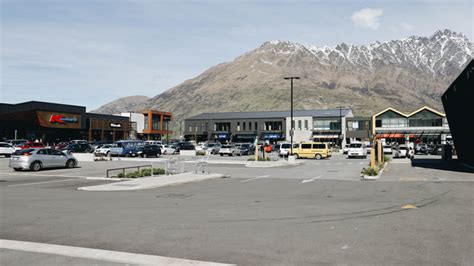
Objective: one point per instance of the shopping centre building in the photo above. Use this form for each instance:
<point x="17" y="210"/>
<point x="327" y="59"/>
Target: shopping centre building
<point x="53" y="122"/>
<point x="318" y="125"/>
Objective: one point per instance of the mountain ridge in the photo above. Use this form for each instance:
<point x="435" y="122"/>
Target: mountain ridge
<point x="405" y="74"/>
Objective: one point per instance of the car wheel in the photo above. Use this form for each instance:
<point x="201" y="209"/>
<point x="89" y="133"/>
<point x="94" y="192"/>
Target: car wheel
<point x="221" y="154"/>
<point x="70" y="164"/>
<point x="296" y="155"/>
<point x="318" y="156"/>
<point x="35" y="166"/>
<point x="145" y="156"/>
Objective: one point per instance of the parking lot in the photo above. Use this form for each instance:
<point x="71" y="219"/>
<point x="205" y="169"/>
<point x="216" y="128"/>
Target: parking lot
<point x="318" y="212"/>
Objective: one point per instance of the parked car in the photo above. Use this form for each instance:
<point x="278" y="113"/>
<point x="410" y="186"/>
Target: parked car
<point x="125" y="147"/>
<point x="168" y="149"/>
<point x="104" y="149"/>
<point x="79" y="141"/>
<point x="78" y="147"/>
<point x="345" y="149"/>
<point x="401" y="152"/>
<point x="6" y="149"/>
<point x="357" y="149"/>
<point x="145" y="151"/>
<point x="316" y="150"/>
<point x="61" y="145"/>
<point x="212" y="148"/>
<point x="17" y="142"/>
<point x="37" y="159"/>
<point x="30" y="145"/>
<point x="246" y="149"/>
<point x="284" y="148"/>
<point x="153" y="142"/>
<point x="184" y="146"/>
<point x="387" y="149"/>
<point x="230" y="150"/>
<point x="422" y="148"/>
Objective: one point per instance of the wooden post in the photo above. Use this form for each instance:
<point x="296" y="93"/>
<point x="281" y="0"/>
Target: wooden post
<point x="379" y="151"/>
<point x="372" y="156"/>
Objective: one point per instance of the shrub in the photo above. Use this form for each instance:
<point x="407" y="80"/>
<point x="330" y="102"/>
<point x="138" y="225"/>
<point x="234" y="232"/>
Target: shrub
<point x="201" y="153"/>
<point x="386" y="158"/>
<point x="142" y="173"/>
<point x="370" y="171"/>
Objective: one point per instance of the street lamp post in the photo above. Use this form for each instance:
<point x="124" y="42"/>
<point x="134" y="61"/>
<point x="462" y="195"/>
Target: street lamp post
<point x="291" y="108"/>
<point x="340" y="122"/>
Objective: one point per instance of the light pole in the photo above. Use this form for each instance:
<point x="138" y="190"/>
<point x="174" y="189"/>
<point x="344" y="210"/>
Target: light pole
<point x="291" y="108"/>
<point x="340" y="122"/>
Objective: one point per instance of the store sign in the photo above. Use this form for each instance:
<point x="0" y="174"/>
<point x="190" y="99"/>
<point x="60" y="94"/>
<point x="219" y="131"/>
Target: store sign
<point x="61" y="119"/>
<point x="58" y="119"/>
<point x="115" y="125"/>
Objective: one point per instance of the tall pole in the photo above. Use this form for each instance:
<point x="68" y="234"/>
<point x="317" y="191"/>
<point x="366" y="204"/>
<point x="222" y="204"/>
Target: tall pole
<point x="291" y="112"/>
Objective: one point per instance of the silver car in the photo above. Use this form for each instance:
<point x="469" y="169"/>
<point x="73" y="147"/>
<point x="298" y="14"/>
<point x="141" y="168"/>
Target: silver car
<point x="37" y="159"/>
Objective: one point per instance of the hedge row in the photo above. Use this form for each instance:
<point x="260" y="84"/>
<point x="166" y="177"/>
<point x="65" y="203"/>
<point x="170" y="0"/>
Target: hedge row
<point x="142" y="173"/>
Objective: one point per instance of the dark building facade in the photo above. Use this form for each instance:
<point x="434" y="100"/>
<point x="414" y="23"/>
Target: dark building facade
<point x="456" y="102"/>
<point x="53" y="122"/>
<point x="358" y="128"/>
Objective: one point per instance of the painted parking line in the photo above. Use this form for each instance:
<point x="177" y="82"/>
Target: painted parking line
<point x="255" y="178"/>
<point x="44" y="182"/>
<point x="99" y="254"/>
<point x="310" y="180"/>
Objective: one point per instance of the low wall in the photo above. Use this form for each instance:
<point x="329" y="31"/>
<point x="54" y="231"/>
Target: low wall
<point x="84" y="157"/>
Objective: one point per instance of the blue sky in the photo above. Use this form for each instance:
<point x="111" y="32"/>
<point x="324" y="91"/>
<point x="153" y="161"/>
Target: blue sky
<point x="89" y="52"/>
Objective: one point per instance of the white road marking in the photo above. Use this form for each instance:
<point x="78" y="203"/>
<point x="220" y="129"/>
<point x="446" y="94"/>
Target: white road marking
<point x="255" y="178"/>
<point x="44" y="182"/>
<point x="99" y="254"/>
<point x="310" y="180"/>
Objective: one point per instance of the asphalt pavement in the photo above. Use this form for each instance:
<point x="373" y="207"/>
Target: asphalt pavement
<point x="318" y="213"/>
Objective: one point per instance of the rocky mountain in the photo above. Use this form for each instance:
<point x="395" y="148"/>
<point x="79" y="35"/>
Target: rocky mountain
<point x="125" y="104"/>
<point x="404" y="73"/>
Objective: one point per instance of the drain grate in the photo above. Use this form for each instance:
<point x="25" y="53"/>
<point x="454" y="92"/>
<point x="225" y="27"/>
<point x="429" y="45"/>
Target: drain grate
<point x="175" y="196"/>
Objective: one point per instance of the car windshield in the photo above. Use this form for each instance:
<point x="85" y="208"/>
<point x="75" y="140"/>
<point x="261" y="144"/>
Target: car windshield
<point x="355" y="145"/>
<point x="20" y="152"/>
<point x="403" y="148"/>
<point x="285" y="146"/>
<point x="245" y="145"/>
<point x="226" y="146"/>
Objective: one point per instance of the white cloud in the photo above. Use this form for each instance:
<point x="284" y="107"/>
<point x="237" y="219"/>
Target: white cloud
<point x="367" y="18"/>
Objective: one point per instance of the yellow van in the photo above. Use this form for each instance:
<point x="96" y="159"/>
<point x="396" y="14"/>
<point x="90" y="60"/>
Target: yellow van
<point x="316" y="150"/>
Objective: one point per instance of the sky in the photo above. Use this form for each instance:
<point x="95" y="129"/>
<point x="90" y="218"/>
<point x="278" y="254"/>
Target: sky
<point x="90" y="52"/>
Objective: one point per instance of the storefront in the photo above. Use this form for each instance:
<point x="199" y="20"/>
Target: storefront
<point x="53" y="123"/>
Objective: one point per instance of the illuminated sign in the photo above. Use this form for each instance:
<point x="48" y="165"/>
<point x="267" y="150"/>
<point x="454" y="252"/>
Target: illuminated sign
<point x="61" y="119"/>
<point x="115" y="125"/>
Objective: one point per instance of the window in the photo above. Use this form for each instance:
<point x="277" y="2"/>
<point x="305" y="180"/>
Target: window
<point x="273" y="125"/>
<point x="195" y="128"/>
<point x="243" y="126"/>
<point x="319" y="146"/>
<point x="42" y="152"/>
<point x="305" y="146"/>
<point x="299" y="124"/>
<point x="306" y="125"/>
<point x="250" y="126"/>
<point x="155" y="120"/>
<point x="256" y="126"/>
<point x="190" y="128"/>
<point x="222" y="126"/>
<point x="207" y="126"/>
<point x="332" y="124"/>
<point x="238" y="126"/>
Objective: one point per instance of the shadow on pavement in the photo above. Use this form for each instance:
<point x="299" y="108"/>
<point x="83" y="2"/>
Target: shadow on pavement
<point x="452" y="165"/>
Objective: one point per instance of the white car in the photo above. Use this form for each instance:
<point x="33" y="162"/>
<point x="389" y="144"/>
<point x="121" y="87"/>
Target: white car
<point x="6" y="149"/>
<point x="168" y="149"/>
<point x="387" y="149"/>
<point x="357" y="149"/>
<point x="103" y="150"/>
<point x="230" y="150"/>
<point x="284" y="149"/>
<point x="401" y="152"/>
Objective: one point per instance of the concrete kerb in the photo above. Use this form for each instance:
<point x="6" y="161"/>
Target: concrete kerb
<point x="153" y="182"/>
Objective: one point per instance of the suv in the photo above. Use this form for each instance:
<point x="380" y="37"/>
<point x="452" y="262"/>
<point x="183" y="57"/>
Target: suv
<point x="357" y="149"/>
<point x="230" y="150"/>
<point x="148" y="151"/>
<point x="316" y="150"/>
<point x="6" y="149"/>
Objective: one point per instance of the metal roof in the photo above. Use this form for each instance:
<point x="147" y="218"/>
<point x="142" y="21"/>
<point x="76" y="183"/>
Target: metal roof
<point x="271" y="114"/>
